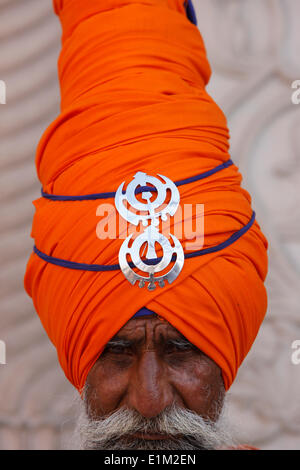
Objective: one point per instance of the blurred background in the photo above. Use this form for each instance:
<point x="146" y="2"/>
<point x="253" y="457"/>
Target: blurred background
<point x="254" y="50"/>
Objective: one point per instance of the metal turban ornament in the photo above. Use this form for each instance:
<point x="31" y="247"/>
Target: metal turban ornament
<point x="165" y="203"/>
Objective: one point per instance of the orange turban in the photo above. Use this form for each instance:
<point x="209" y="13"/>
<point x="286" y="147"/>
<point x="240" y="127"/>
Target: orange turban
<point x="132" y="76"/>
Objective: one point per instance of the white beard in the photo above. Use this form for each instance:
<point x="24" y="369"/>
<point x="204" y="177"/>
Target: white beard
<point x="185" y="430"/>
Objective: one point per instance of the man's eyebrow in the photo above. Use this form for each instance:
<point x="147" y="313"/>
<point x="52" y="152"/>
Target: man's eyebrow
<point x="180" y="342"/>
<point x="116" y="341"/>
<point x="124" y="342"/>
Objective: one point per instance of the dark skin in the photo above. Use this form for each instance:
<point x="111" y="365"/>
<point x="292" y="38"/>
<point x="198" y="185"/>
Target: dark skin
<point x="147" y="367"/>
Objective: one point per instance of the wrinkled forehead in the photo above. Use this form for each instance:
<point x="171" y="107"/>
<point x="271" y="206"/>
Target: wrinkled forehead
<point x="150" y="326"/>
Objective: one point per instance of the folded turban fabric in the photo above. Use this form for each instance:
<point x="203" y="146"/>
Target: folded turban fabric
<point x="133" y="76"/>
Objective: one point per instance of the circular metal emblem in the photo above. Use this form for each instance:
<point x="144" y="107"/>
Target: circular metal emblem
<point x="139" y="183"/>
<point x="165" y="202"/>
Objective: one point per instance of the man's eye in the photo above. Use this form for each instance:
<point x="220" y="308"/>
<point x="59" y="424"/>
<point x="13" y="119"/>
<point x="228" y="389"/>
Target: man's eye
<point x="117" y="349"/>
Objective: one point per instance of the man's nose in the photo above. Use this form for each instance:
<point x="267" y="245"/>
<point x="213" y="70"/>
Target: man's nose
<point x="149" y="391"/>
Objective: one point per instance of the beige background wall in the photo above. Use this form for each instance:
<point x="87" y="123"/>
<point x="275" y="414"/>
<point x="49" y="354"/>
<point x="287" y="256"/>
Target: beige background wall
<point x="252" y="46"/>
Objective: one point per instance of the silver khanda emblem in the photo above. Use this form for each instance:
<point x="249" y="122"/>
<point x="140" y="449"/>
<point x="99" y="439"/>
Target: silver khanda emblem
<point x="148" y="214"/>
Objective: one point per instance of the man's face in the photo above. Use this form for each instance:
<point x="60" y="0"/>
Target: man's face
<point x="152" y="380"/>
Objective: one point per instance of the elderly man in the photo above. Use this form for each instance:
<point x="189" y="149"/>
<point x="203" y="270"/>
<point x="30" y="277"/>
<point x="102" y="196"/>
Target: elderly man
<point x="149" y="326"/>
<point x="153" y="389"/>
